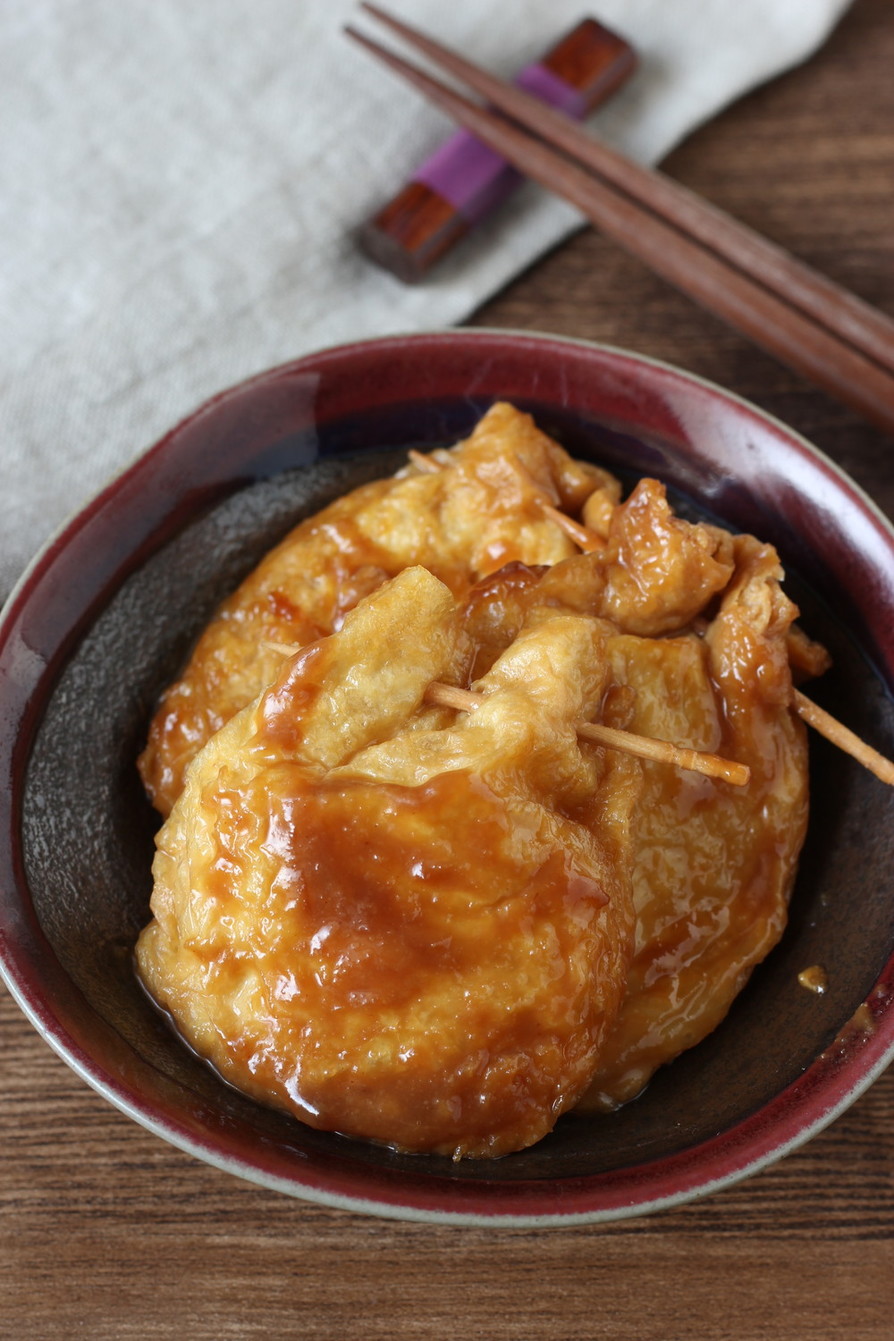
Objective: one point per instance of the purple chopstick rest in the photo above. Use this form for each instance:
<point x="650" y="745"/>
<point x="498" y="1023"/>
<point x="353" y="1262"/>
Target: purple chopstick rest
<point x="464" y="180"/>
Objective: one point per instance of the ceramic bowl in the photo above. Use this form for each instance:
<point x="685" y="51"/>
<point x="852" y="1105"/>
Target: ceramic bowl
<point x="106" y="614"/>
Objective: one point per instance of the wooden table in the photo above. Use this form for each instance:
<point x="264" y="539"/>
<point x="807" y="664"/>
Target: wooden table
<point x="106" y="1232"/>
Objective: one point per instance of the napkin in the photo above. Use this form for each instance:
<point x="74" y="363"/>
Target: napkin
<point x="180" y="185"/>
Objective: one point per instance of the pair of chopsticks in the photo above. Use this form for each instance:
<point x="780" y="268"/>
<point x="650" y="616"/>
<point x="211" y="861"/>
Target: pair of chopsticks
<point x="815" y="326"/>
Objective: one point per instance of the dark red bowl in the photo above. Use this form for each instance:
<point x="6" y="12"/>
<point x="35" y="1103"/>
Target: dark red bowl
<point x="106" y="613"/>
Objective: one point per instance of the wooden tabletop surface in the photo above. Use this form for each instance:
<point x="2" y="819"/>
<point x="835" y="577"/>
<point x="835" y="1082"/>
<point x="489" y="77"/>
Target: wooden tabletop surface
<point x="106" y="1232"/>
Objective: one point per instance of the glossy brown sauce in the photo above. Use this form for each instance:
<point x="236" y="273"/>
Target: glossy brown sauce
<point x="481" y="513"/>
<point x="426" y="965"/>
<point x="403" y="933"/>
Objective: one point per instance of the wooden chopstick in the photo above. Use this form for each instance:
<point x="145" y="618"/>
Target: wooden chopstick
<point x="861" y="325"/>
<point x="818" y="328"/>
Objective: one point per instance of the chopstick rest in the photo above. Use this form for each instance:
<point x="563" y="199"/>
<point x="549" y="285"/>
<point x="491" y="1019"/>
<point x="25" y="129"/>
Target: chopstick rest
<point x="464" y="180"/>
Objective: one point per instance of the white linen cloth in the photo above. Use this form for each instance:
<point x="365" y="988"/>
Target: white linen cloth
<point x="180" y="182"/>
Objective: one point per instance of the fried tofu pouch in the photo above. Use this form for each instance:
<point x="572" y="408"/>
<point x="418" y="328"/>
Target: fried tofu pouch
<point x="461" y="523"/>
<point x="673" y="630"/>
<point x="405" y="923"/>
<point x="713" y="864"/>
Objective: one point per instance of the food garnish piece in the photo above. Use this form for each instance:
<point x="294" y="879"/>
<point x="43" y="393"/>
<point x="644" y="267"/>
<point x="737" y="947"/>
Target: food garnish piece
<point x="397" y="921"/>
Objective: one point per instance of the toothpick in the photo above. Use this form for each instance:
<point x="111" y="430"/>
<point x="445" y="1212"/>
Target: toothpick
<point x="644" y="747"/>
<point x="426" y="464"/>
<point x="583" y="537"/>
<point x="838" y="734"/>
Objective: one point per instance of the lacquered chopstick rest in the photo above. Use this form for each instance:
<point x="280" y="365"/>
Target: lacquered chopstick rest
<point x="464" y="180"/>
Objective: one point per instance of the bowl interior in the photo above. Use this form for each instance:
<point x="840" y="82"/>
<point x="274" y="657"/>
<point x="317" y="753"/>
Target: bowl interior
<point x="87" y="830"/>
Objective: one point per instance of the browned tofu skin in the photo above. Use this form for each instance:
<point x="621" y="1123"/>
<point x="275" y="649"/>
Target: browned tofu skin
<point x="440" y="930"/>
<point x="385" y="918"/>
<point x="461" y="524"/>
<point x="713" y="865"/>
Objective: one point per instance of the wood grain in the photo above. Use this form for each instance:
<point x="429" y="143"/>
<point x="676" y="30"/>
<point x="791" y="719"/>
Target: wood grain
<point x="108" y="1233"/>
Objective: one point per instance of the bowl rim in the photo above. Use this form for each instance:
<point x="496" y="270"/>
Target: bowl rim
<point x="814" y="1100"/>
